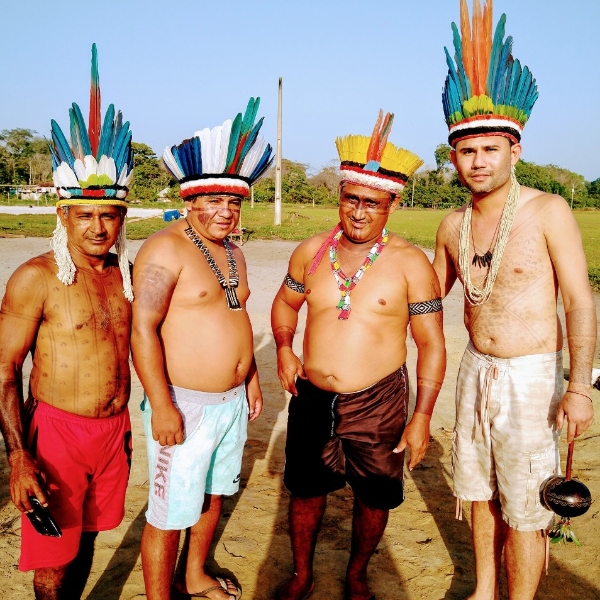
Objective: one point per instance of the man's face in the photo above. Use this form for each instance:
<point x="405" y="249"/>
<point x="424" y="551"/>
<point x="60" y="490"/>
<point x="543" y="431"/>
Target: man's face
<point x="215" y="217"/>
<point x="364" y="212"/>
<point x="91" y="230"/>
<point x="484" y="163"/>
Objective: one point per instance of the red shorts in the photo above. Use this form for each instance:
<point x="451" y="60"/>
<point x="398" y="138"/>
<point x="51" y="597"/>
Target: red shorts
<point x="86" y="463"/>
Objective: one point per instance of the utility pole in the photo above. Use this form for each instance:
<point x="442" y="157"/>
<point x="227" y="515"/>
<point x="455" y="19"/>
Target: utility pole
<point x="277" y="220"/>
<point x="572" y="192"/>
<point x="251" y="196"/>
<point x="412" y="197"/>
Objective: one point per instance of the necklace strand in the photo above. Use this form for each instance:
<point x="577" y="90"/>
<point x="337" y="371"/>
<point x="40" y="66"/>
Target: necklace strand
<point x="474" y="295"/>
<point x="230" y="294"/>
<point x="347" y="284"/>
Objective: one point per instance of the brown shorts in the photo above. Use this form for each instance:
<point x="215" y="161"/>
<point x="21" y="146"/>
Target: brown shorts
<point x="337" y="438"/>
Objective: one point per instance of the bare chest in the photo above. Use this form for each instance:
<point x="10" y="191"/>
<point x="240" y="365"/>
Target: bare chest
<point x="94" y="305"/>
<point x="201" y="282"/>
<point x="380" y="288"/>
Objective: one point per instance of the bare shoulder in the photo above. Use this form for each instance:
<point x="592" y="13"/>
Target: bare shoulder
<point x="450" y="224"/>
<point x="27" y="288"/>
<point x="35" y="271"/>
<point x="551" y="209"/>
<point x="165" y="247"/>
<point x="305" y="251"/>
<point x="406" y="254"/>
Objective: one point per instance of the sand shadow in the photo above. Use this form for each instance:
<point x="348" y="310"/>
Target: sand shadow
<point x="436" y="493"/>
<point x="114" y="577"/>
<point x="257" y="445"/>
<point x="333" y="546"/>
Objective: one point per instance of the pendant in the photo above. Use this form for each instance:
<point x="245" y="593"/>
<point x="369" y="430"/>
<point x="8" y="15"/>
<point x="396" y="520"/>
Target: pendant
<point x="232" y="300"/>
<point x="482" y="261"/>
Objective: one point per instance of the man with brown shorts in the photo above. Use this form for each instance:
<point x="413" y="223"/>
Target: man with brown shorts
<point x="69" y="444"/>
<point x="193" y="351"/>
<point x="512" y="247"/>
<point x="347" y="415"/>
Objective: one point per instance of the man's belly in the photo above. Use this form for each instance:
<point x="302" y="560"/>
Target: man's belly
<point x="508" y="336"/>
<point x="348" y="357"/>
<point x="206" y="355"/>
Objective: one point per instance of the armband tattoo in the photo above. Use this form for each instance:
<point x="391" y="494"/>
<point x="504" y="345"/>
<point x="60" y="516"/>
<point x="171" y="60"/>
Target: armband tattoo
<point x="294" y="285"/>
<point x="422" y="308"/>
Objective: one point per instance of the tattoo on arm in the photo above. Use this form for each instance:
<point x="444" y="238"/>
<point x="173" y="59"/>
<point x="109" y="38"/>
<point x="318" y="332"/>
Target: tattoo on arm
<point x="154" y="286"/>
<point x="294" y="285"/>
<point x="423" y="308"/>
<point x="581" y="336"/>
<point x="284" y="336"/>
<point x="429" y="383"/>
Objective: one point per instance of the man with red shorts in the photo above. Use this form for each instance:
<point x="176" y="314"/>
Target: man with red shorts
<point x="69" y="443"/>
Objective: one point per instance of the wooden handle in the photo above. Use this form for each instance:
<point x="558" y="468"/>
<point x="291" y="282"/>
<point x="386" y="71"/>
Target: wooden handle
<point x="570" y="460"/>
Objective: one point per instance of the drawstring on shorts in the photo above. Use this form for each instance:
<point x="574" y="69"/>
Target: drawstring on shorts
<point x="483" y="416"/>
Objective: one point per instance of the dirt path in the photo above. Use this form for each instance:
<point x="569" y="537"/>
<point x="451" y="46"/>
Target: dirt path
<point x="425" y="553"/>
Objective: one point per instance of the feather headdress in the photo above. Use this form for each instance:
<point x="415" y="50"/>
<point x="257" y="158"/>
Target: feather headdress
<point x="97" y="166"/>
<point x="487" y="92"/>
<point x="374" y="162"/>
<point x="226" y="159"/>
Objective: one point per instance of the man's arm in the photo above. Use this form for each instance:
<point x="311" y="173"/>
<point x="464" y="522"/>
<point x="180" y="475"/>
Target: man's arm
<point x="426" y="324"/>
<point x="284" y="320"/>
<point x="153" y="285"/>
<point x="253" y="392"/>
<point x="442" y="262"/>
<point x="20" y="318"/>
<point x="566" y="252"/>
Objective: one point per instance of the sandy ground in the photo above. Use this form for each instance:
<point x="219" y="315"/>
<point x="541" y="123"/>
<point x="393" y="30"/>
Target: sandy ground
<point x="425" y="553"/>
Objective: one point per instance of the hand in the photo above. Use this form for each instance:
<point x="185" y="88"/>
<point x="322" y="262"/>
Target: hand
<point x="579" y="411"/>
<point x="25" y="480"/>
<point x="255" y="399"/>
<point x="167" y="425"/>
<point x="288" y="368"/>
<point x="416" y="437"/>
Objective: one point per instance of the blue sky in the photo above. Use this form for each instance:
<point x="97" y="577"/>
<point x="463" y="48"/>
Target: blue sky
<point x="176" y="66"/>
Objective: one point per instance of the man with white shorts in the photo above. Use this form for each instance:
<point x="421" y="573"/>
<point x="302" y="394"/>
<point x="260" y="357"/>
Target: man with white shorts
<point x="512" y="247"/>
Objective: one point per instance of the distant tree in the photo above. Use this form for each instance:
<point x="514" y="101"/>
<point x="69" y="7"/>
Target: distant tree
<point x="442" y="157"/>
<point x="24" y="158"/>
<point x="149" y="174"/>
<point x="326" y="183"/>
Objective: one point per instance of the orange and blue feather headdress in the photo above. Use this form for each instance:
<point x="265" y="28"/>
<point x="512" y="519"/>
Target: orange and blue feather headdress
<point x="486" y="92"/>
<point x="97" y="166"/>
<point x="374" y="162"/>
<point x="227" y="159"/>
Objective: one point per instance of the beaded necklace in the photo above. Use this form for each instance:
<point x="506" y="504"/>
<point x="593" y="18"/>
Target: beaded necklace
<point x="347" y="284"/>
<point x="476" y="296"/>
<point x="232" y="300"/>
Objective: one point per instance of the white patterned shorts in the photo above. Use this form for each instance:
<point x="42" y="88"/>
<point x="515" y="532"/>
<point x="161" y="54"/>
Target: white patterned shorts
<point x="208" y="462"/>
<point x="505" y="439"/>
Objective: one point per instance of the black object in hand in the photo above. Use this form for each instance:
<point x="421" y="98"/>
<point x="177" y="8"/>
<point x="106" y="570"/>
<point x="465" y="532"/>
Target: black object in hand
<point x="42" y="520"/>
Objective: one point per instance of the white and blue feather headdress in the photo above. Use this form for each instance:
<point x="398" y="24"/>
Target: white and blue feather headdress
<point x="96" y="168"/>
<point x="487" y="92"/>
<point x="227" y="159"/>
<point x="98" y="164"/>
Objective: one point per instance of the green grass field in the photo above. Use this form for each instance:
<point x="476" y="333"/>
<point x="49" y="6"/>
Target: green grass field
<point x="299" y="222"/>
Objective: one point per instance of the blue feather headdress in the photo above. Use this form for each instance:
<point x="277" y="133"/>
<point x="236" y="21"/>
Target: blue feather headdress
<point x="227" y="159"/>
<point x="486" y="92"/>
<point x="98" y="165"/>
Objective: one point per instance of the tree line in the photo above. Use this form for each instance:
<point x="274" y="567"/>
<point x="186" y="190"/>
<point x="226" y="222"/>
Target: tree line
<point x="25" y="159"/>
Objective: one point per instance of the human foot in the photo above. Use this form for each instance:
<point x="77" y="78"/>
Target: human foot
<point x="217" y="589"/>
<point x="356" y="588"/>
<point x="296" y="588"/>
